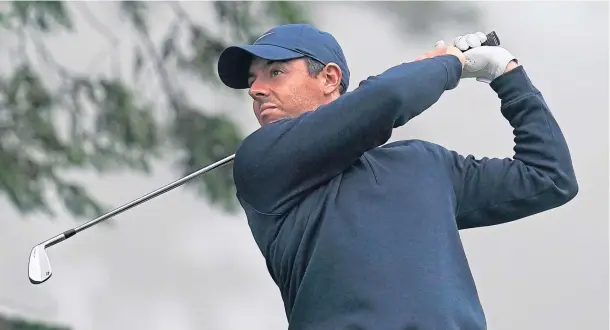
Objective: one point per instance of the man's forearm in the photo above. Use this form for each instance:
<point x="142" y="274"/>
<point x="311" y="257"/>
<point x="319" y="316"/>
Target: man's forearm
<point x="539" y="177"/>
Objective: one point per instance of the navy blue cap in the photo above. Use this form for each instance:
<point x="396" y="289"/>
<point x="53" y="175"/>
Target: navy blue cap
<point x="284" y="42"/>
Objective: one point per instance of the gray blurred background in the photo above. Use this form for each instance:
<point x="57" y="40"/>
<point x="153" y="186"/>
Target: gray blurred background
<point x="103" y="102"/>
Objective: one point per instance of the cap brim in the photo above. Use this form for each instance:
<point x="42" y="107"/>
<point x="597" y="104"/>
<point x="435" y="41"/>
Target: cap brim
<point x="234" y="62"/>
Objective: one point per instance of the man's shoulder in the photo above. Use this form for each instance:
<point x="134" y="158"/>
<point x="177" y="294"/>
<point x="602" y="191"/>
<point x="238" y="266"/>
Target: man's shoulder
<point x="251" y="147"/>
<point x="263" y="137"/>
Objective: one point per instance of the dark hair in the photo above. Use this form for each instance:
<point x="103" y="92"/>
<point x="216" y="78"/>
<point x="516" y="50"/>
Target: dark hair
<point x="314" y="67"/>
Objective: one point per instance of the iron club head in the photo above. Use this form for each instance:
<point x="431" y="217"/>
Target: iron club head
<point x="39" y="268"/>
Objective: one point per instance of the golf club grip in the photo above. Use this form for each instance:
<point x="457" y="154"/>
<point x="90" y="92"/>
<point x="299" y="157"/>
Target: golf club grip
<point x="492" y="39"/>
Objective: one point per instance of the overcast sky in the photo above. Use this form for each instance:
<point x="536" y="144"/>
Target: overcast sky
<point x="177" y="263"/>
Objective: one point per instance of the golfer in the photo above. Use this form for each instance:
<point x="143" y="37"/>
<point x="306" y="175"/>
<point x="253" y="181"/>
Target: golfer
<point x="363" y="234"/>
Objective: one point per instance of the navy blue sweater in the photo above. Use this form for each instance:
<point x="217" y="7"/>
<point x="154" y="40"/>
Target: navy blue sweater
<point x="363" y="234"/>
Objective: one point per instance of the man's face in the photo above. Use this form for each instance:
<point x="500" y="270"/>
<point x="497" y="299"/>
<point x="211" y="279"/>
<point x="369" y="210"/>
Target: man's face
<point x="284" y="89"/>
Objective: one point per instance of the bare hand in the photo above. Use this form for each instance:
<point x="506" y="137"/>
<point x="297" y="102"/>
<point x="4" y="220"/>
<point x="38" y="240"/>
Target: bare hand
<point x="442" y="50"/>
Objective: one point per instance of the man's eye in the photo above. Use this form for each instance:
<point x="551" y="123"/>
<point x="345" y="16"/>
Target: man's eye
<point x="275" y="72"/>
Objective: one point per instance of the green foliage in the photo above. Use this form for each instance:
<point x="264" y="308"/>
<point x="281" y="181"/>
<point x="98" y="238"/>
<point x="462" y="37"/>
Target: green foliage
<point x="49" y="129"/>
<point x="53" y="124"/>
<point x="286" y="13"/>
<point x="14" y="323"/>
<point x="43" y="15"/>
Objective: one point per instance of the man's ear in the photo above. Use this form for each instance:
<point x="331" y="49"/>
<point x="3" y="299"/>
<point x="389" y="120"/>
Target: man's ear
<point x="332" y="78"/>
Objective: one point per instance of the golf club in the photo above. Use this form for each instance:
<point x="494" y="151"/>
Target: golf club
<point x="39" y="268"/>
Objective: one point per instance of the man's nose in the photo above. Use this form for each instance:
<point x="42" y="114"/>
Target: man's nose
<point x="258" y="90"/>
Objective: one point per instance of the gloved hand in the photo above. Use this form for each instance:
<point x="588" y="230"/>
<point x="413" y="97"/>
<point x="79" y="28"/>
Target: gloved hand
<point x="485" y="63"/>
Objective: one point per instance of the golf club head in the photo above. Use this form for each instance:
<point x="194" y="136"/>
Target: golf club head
<point x="39" y="268"/>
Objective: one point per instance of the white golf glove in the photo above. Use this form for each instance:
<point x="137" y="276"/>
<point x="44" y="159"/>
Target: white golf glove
<point x="485" y="63"/>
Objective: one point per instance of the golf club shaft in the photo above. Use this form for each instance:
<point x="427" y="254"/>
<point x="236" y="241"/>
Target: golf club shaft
<point x="492" y="40"/>
<point x="61" y="237"/>
<point x="144" y="198"/>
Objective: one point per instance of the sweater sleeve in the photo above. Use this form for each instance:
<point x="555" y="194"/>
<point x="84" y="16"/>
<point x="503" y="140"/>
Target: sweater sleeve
<point x="539" y="177"/>
<point x="280" y="162"/>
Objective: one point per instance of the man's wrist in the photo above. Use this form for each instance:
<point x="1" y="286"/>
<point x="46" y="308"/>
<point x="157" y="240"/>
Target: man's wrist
<point x="513" y="85"/>
<point x="511" y="65"/>
<point x="454" y="68"/>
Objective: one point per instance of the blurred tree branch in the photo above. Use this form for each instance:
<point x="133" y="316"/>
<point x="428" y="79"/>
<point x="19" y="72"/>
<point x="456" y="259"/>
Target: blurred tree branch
<point x="52" y="124"/>
<point x="49" y="128"/>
